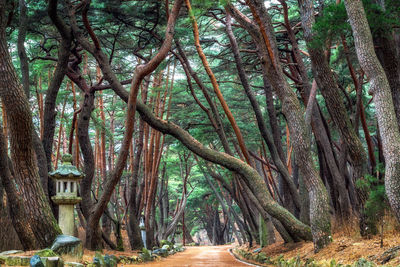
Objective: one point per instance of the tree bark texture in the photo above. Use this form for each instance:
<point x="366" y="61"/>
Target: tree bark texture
<point x="319" y="204"/>
<point x="42" y="222"/>
<point x="380" y="89"/>
<point x="329" y="89"/>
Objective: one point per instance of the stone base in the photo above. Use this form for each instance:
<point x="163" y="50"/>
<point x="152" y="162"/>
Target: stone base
<point x="68" y="247"/>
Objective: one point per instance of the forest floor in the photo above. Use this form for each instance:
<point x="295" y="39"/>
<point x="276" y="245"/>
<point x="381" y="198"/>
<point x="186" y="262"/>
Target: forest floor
<point x="347" y="247"/>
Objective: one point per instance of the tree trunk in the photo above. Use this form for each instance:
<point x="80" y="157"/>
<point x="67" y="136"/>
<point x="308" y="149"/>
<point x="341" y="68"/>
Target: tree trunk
<point x="140" y="72"/>
<point x="380" y="88"/>
<point x="319" y="205"/>
<point x="329" y="89"/>
<point x="42" y="222"/>
<point x="265" y="133"/>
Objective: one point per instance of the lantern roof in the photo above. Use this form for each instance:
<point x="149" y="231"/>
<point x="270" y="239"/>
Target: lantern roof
<point x="66" y="170"/>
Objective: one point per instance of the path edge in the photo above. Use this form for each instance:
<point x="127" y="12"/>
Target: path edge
<point x="241" y="260"/>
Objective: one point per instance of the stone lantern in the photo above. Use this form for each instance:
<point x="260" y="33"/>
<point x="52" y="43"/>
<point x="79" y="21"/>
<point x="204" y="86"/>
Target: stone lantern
<point x="67" y="178"/>
<point x="143" y="230"/>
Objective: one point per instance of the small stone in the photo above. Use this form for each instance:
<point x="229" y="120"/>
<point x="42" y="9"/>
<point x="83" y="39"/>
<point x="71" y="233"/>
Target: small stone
<point x="74" y="264"/>
<point x="97" y="261"/>
<point x="178" y="247"/>
<point x="166" y="242"/>
<point x="53" y="262"/>
<point x="155" y="257"/>
<point x="134" y="258"/>
<point x="10" y="252"/>
<point x="257" y="250"/>
<point x="68" y="247"/>
<point x="110" y="261"/>
<point x="18" y="261"/>
<point x="161" y="252"/>
<point x="36" y="261"/>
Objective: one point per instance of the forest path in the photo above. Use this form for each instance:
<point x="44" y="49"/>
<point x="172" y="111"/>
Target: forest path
<point x="199" y="256"/>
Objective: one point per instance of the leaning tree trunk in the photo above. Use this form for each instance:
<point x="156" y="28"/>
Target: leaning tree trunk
<point x="42" y="222"/>
<point x="263" y="34"/>
<point x="265" y="133"/>
<point x="380" y="88"/>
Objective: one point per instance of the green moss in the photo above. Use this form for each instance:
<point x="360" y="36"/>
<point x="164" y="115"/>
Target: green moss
<point x="145" y="255"/>
<point x="46" y="253"/>
<point x="17" y="261"/>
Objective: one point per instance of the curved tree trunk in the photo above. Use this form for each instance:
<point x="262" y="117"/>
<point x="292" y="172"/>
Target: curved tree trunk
<point x="265" y="133"/>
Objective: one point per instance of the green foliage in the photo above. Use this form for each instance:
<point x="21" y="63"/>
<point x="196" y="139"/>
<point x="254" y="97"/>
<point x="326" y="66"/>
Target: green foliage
<point x="381" y="21"/>
<point x="331" y="24"/>
<point x="377" y="203"/>
<point x="98" y="123"/>
<point x="145" y="255"/>
<point x="280" y="261"/>
<point x="46" y="253"/>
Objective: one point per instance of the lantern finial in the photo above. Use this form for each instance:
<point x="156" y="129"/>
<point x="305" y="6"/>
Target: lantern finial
<point x="66" y="158"/>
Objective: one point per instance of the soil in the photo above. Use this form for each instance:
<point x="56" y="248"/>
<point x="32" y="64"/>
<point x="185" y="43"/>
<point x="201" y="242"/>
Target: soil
<point x="344" y="249"/>
<point x="199" y="256"/>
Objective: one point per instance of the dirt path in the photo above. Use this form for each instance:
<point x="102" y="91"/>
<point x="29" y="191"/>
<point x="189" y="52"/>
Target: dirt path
<point x="199" y="256"/>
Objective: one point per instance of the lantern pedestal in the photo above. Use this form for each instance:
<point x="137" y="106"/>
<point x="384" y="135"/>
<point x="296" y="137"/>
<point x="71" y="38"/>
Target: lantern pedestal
<point x="67" y="178"/>
<point x="66" y="218"/>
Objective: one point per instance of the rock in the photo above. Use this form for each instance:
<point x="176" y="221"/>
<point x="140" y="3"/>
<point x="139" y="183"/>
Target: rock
<point x="18" y="261"/>
<point x="161" y="252"/>
<point x="10" y="252"/>
<point x="97" y="261"/>
<point x="145" y="255"/>
<point x="68" y="247"/>
<point x="134" y="258"/>
<point x="53" y="262"/>
<point x="155" y="257"/>
<point x="110" y="261"/>
<point x="74" y="264"/>
<point x="46" y="253"/>
<point x="166" y="242"/>
<point x="157" y="251"/>
<point x="257" y="250"/>
<point x="36" y="261"/>
<point x="178" y="247"/>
